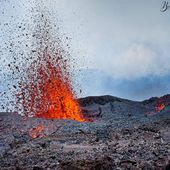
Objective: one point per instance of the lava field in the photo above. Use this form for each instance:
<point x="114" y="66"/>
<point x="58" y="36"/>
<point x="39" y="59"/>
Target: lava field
<point x="119" y="134"/>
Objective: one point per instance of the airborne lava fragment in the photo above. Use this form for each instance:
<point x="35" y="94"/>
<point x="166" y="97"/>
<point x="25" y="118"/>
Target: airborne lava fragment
<point x="46" y="91"/>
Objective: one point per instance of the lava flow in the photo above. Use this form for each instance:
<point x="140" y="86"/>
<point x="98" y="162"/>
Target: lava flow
<point x="163" y="103"/>
<point x="37" y="132"/>
<point x="160" y="107"/>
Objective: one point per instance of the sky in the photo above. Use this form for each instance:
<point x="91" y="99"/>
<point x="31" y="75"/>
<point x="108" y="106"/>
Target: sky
<point x="121" y="47"/>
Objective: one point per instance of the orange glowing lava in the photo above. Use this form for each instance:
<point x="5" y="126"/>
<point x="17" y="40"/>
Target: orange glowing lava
<point x="37" y="132"/>
<point x="49" y="93"/>
<point x="46" y="89"/>
<point x="160" y="107"/>
<point x="57" y="97"/>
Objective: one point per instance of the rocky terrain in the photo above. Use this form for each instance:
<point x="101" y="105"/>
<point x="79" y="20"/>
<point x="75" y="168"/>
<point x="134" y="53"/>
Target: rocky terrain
<point x="120" y="134"/>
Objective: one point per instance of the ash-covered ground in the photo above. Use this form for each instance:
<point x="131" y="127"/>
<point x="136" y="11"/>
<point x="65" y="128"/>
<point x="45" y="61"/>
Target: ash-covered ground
<point x="120" y="135"/>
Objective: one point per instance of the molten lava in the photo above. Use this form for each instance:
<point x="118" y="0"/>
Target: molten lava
<point x="57" y="97"/>
<point x="48" y="92"/>
<point x="160" y="107"/>
<point x="38" y="131"/>
<point x="45" y="88"/>
<point x="163" y="103"/>
<point x="50" y="95"/>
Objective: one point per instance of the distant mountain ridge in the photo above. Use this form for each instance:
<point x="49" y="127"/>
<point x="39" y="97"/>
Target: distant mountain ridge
<point x="108" y="98"/>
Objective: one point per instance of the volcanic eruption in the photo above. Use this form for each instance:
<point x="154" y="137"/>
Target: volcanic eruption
<point x="46" y="91"/>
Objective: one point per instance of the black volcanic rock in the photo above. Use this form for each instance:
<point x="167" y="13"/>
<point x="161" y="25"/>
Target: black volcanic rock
<point x="101" y="100"/>
<point x="165" y="98"/>
<point x="121" y="135"/>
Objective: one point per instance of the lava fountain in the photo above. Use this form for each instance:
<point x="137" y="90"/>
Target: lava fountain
<point x="46" y="91"/>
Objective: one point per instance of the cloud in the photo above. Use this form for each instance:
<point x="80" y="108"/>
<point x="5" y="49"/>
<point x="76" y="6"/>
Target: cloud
<point x="140" y="60"/>
<point x="100" y="31"/>
<point x="97" y="82"/>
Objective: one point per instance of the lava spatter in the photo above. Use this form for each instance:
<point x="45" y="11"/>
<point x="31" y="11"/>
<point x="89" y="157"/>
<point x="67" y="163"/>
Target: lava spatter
<point x="46" y="90"/>
<point x="50" y="94"/>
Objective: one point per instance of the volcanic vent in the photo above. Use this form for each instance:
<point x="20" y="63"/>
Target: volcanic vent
<point x="46" y="89"/>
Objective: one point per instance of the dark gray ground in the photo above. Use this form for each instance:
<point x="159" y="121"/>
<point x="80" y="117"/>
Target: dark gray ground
<point x="122" y="135"/>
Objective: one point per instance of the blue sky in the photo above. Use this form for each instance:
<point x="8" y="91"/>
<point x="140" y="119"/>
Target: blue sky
<point x="121" y="47"/>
